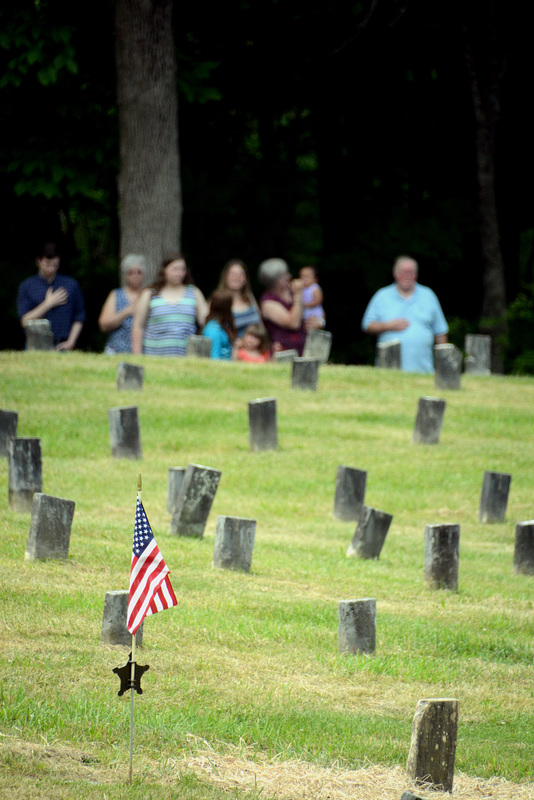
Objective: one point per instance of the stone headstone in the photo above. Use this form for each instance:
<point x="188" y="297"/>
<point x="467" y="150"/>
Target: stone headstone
<point x="130" y="376"/>
<point x="194" y="501"/>
<point x="433" y="745"/>
<point x="318" y="345"/>
<point x="305" y="373"/>
<point x="350" y="493"/>
<point x="234" y="543"/>
<point x="494" y="496"/>
<point x="198" y="346"/>
<point x="357" y="626"/>
<point x="411" y="796"/>
<point x="263" y="431"/>
<point x="448" y="366"/>
<point x="8" y="428"/>
<point x="25" y="472"/>
<point x="114" y="630"/>
<point x="176" y="478"/>
<point x="442" y="556"/>
<point x="124" y="433"/>
<point x="429" y="420"/>
<point x="524" y="548"/>
<point x="50" y="527"/>
<point x="370" y="534"/>
<point x="478" y="354"/>
<point x="39" y="335"/>
<point x="285" y="355"/>
<point x="389" y="354"/>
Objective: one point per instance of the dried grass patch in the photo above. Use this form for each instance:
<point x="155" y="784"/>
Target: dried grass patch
<point x="252" y="774"/>
<point x="299" y="780"/>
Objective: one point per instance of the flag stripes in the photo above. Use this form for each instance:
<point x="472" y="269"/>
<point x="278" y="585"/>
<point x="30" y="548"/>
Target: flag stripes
<point x="150" y="586"/>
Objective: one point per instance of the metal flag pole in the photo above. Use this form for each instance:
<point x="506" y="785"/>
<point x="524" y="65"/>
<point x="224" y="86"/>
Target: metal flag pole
<point x="132" y="693"/>
<point x="150" y="592"/>
<point x="132" y="672"/>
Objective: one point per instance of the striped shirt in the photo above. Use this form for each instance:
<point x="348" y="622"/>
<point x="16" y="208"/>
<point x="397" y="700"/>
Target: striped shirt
<point x="169" y="325"/>
<point x="242" y="319"/>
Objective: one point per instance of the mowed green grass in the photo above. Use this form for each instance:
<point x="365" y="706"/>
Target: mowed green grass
<point x="252" y="658"/>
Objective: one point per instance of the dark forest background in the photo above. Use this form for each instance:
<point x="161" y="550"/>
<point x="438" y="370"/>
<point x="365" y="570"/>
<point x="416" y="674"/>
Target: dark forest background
<point x="314" y="131"/>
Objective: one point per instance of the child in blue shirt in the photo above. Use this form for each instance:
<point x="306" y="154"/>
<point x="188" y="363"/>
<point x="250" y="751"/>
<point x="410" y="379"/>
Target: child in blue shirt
<point x="219" y="325"/>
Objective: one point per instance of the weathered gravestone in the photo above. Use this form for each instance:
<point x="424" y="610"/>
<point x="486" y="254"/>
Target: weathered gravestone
<point x="318" y="345"/>
<point x="305" y="373"/>
<point x="114" y="630"/>
<point x="39" y="335"/>
<point x="25" y="472"/>
<point x="124" y="433"/>
<point x="130" y="377"/>
<point x="263" y="431"/>
<point x="524" y="548"/>
<point x="198" y="346"/>
<point x="433" y="745"/>
<point x="494" y="496"/>
<point x="429" y="420"/>
<point x="357" y="626"/>
<point x="50" y="527"/>
<point x="234" y="543"/>
<point x="389" y="354"/>
<point x="448" y="366"/>
<point x="442" y="556"/>
<point x="370" y="534"/>
<point x="176" y="478"/>
<point x="8" y="428"/>
<point x="286" y="355"/>
<point x="350" y="492"/>
<point x="478" y="354"/>
<point x="194" y="501"/>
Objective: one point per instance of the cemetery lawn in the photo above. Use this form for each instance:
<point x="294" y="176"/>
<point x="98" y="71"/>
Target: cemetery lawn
<point x="247" y="667"/>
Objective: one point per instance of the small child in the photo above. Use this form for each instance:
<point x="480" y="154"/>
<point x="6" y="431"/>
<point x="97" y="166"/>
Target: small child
<point x="312" y="295"/>
<point x="254" y="345"/>
<point x="219" y="325"/>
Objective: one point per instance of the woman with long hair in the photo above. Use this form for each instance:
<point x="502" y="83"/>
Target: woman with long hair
<point x="169" y="312"/>
<point x="234" y="279"/>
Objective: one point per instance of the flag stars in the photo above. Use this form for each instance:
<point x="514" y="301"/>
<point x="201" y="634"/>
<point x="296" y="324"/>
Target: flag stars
<point x="142" y="531"/>
<point x="150" y="587"/>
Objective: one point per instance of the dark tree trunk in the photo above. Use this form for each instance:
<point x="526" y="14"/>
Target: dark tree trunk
<point x="150" y="206"/>
<point x="484" y="28"/>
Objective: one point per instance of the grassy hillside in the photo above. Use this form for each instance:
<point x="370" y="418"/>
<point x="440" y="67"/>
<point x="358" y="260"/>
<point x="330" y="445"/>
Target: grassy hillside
<point x="250" y="660"/>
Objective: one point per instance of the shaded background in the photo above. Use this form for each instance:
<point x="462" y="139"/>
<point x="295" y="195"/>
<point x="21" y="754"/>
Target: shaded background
<point x="302" y="135"/>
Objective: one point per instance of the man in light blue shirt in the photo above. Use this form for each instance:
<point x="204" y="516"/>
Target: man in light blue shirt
<point x="410" y="313"/>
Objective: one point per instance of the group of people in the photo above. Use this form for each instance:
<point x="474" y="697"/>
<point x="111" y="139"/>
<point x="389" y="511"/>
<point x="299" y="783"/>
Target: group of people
<point x="159" y="319"/>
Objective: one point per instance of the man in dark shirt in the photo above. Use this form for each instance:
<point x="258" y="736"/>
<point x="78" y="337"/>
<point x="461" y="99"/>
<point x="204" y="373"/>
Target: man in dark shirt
<point x="53" y="296"/>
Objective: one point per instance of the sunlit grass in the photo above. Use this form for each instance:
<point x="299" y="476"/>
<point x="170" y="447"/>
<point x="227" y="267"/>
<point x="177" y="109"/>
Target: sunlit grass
<point x="253" y="658"/>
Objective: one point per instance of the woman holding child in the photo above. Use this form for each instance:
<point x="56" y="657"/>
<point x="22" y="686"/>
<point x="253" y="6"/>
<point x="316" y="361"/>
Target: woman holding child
<point x="281" y="306"/>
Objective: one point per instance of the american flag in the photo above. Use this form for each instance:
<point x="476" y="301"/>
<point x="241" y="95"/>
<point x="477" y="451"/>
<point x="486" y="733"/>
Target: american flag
<point x="150" y="586"/>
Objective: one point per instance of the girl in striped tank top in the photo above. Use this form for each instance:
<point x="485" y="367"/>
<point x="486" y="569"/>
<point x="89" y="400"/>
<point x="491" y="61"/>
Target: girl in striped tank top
<point x="169" y="312"/>
<point x="234" y="278"/>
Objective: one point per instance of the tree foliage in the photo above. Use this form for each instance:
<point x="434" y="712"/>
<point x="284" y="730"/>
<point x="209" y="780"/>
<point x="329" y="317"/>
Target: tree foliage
<point x="333" y="132"/>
